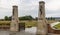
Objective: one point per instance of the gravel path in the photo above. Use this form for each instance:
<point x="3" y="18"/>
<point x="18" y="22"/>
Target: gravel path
<point x="18" y="33"/>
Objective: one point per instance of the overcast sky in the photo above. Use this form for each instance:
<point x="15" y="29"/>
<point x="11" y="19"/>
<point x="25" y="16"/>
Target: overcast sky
<point x="52" y="8"/>
<point x="29" y="7"/>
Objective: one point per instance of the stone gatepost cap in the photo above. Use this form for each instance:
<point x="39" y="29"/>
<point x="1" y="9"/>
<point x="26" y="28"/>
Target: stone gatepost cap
<point x="15" y="6"/>
<point x="41" y="2"/>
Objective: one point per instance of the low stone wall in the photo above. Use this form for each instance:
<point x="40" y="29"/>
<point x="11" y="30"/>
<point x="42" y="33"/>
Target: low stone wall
<point x="50" y="30"/>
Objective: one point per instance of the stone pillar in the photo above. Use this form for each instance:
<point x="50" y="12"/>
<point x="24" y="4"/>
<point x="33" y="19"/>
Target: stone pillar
<point x="15" y="20"/>
<point x="42" y="25"/>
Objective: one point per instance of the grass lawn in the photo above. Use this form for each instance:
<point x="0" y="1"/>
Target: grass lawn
<point x="57" y="26"/>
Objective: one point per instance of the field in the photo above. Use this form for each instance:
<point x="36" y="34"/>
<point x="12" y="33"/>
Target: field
<point x="27" y="23"/>
<point x="32" y="23"/>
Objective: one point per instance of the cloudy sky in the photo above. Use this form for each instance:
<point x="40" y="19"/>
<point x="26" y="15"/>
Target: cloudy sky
<point x="52" y="8"/>
<point x="29" y="7"/>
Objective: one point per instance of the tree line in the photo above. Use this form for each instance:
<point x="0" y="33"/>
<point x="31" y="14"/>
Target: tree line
<point x="29" y="17"/>
<point x="6" y="18"/>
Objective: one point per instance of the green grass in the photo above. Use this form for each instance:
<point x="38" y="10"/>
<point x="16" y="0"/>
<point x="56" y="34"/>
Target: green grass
<point x="27" y="23"/>
<point x="57" y="26"/>
<point x="30" y="23"/>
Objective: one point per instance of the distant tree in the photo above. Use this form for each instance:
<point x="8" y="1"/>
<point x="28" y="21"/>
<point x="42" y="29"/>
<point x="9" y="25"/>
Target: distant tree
<point x="6" y="18"/>
<point x="10" y="18"/>
<point x="26" y="18"/>
<point x="49" y="18"/>
<point x="53" y="18"/>
<point x="20" y="18"/>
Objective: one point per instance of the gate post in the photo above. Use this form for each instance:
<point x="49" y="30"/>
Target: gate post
<point x="42" y="25"/>
<point x="14" y="23"/>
